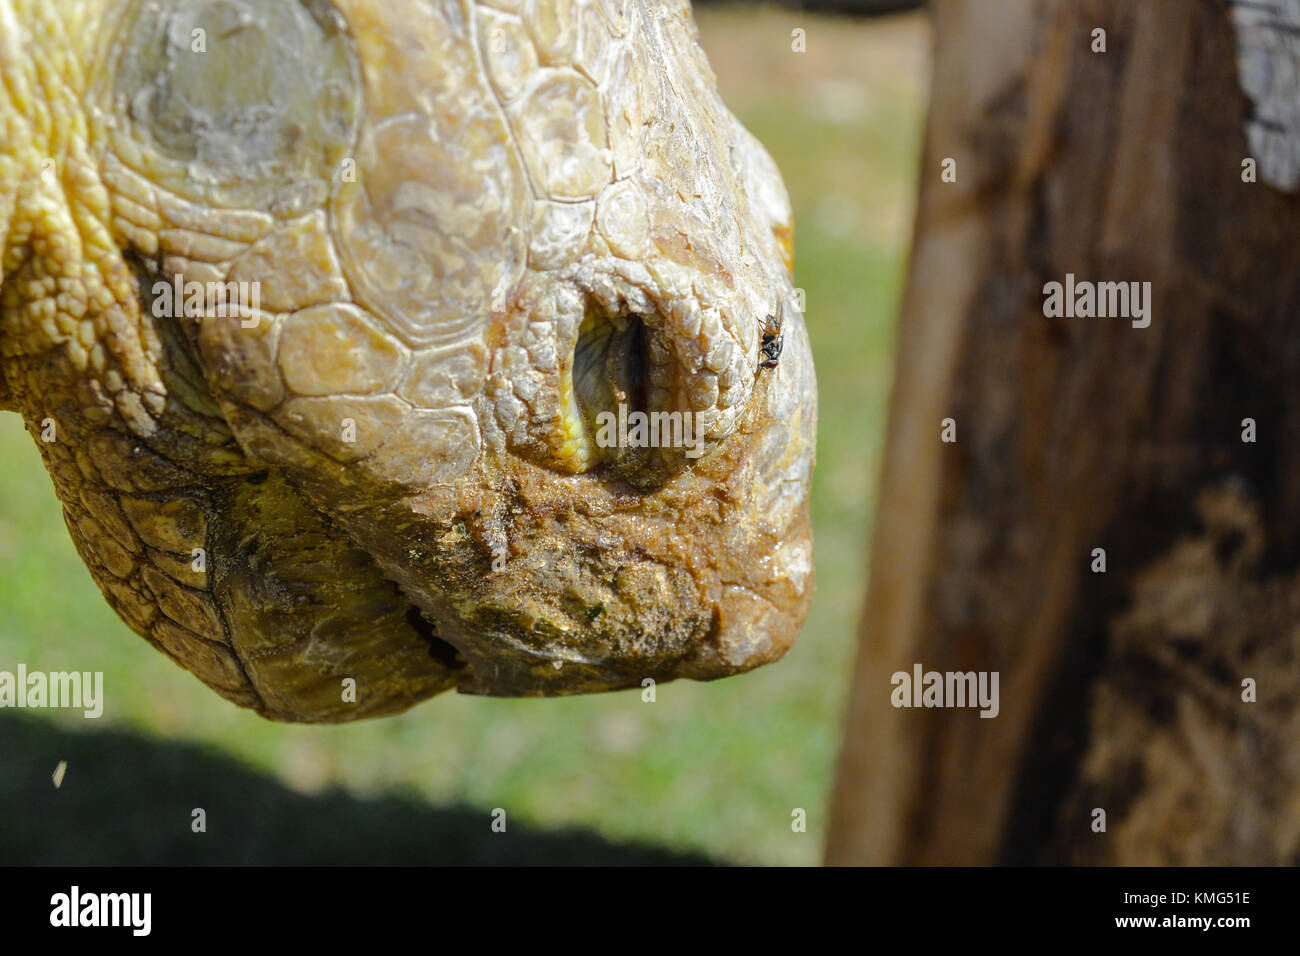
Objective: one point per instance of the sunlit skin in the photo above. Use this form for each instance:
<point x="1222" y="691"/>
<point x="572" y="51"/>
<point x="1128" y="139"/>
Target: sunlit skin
<point x="471" y="228"/>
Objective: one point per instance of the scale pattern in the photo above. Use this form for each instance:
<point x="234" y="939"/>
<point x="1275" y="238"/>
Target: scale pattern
<point x="457" y="232"/>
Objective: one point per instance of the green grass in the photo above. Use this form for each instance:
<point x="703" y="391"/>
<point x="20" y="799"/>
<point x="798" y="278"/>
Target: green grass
<point x="709" y="768"/>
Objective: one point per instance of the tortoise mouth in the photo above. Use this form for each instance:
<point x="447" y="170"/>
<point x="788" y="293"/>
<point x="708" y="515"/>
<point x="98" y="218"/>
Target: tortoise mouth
<point x="426" y="628"/>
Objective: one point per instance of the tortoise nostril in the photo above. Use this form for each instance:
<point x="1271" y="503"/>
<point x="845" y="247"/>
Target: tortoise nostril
<point x="611" y="373"/>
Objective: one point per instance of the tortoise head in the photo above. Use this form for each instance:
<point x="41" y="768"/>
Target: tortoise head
<point x="409" y="342"/>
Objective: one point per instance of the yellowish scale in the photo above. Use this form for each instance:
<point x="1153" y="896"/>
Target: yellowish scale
<point x="574" y="449"/>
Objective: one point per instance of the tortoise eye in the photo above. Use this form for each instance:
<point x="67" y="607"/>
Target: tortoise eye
<point x="239" y="103"/>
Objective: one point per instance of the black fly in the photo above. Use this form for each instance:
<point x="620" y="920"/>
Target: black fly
<point x="770" y="349"/>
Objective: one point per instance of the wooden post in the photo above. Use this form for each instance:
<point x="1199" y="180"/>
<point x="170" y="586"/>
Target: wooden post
<point x="1166" y="440"/>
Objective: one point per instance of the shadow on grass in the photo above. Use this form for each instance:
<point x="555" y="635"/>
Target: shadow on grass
<point x="128" y="800"/>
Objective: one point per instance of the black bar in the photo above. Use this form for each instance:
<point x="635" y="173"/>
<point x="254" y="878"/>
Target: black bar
<point x="219" y="905"/>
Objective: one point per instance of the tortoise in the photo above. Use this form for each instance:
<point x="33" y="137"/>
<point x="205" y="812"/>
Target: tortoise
<point x="314" y="309"/>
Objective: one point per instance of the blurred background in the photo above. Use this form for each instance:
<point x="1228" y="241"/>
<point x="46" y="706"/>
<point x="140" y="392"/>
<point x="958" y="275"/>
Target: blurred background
<point x="707" y="773"/>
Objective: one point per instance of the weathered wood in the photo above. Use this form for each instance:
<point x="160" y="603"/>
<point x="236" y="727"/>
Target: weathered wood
<point x="1118" y="690"/>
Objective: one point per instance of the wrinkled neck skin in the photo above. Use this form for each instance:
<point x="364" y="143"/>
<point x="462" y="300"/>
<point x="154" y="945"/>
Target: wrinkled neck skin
<point x="471" y="232"/>
<point x="44" y="48"/>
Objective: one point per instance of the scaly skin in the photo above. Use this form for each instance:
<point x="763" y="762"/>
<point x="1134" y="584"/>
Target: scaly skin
<point x="472" y="227"/>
